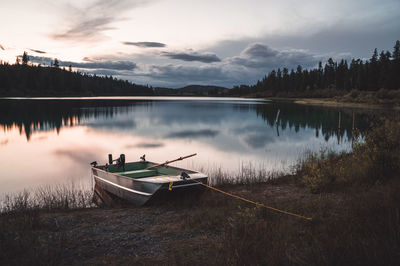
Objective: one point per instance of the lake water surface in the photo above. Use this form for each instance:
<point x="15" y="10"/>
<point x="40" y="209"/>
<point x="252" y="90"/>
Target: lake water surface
<point x="45" y="141"/>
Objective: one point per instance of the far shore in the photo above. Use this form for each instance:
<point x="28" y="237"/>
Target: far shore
<point x="325" y="102"/>
<point x="331" y="102"/>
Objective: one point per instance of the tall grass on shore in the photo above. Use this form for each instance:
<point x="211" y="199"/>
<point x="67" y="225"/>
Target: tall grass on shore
<point x="374" y="159"/>
<point x="23" y="226"/>
<point x="247" y="174"/>
<point x="361" y="228"/>
<point x="382" y="96"/>
<point x="57" y="197"/>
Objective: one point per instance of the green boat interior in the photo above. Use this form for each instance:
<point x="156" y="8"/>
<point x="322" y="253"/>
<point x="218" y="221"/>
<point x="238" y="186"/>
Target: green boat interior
<point x="138" y="170"/>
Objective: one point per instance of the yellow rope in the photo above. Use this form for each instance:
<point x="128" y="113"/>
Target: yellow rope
<point x="255" y="203"/>
<point x="243" y="199"/>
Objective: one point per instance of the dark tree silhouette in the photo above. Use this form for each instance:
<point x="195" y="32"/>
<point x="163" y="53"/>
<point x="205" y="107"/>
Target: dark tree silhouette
<point x="24" y="80"/>
<point x="381" y="71"/>
<point x="25" y="58"/>
<point x="56" y="64"/>
<point x="396" y="51"/>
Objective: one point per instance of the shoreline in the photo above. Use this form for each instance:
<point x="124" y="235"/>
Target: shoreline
<point x="324" y="102"/>
<point x="212" y="229"/>
<point x="329" y="102"/>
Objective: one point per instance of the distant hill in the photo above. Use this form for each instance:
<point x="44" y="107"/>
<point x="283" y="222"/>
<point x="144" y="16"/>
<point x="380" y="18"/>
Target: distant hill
<point x="193" y="90"/>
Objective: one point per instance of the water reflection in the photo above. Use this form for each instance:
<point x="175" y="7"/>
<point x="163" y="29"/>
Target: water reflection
<point x="193" y="133"/>
<point x="46" y="140"/>
<point x="30" y="116"/>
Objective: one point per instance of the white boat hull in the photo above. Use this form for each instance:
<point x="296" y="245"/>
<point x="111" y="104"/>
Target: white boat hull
<point x="139" y="191"/>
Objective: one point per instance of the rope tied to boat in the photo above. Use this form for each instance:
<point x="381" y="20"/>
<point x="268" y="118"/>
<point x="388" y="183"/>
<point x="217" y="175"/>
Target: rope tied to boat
<point x="227" y="193"/>
<point x="255" y="202"/>
<point x="244" y="199"/>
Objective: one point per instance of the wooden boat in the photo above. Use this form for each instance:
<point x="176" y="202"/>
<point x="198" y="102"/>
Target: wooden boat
<point x="139" y="182"/>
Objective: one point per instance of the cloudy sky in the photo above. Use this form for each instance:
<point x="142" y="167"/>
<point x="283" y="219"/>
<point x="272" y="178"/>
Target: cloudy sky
<point x="174" y="43"/>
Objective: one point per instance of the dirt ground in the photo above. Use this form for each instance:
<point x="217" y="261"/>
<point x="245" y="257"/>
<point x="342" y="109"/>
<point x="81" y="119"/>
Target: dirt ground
<point x="146" y="235"/>
<point x="355" y="226"/>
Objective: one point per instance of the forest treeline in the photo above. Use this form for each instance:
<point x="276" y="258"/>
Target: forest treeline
<point x="22" y="79"/>
<point x="381" y="71"/>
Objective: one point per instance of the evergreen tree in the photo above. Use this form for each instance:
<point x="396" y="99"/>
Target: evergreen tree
<point x="396" y="51"/>
<point x="395" y="67"/>
<point x="381" y="71"/>
<point x="56" y="63"/>
<point x="25" y="58"/>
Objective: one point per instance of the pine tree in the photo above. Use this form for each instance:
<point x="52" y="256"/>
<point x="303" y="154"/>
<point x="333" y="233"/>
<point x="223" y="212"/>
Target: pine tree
<point x="25" y="58"/>
<point x="396" y="51"/>
<point x="56" y="63"/>
<point x="395" y="67"/>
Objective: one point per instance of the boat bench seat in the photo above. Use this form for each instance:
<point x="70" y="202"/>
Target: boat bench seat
<point x="139" y="173"/>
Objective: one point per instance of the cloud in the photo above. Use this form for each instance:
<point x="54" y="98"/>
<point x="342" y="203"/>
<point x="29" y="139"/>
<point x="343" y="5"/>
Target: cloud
<point x="101" y="65"/>
<point x="104" y="72"/>
<point x="252" y="62"/>
<point x="40" y="60"/>
<point x="259" y="139"/>
<point x="193" y="56"/>
<point x="259" y="50"/>
<point x="145" y="145"/>
<point x="85" y="29"/>
<point x="180" y="75"/>
<point x="113" y="65"/>
<point x="90" y="21"/>
<point x="112" y="124"/>
<point x="258" y="55"/>
<point x="194" y="134"/>
<point x="39" y="138"/>
<point x="78" y="155"/>
<point x="37" y="51"/>
<point x="146" y="44"/>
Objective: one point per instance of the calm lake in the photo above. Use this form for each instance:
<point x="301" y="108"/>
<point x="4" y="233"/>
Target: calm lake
<point x="45" y="141"/>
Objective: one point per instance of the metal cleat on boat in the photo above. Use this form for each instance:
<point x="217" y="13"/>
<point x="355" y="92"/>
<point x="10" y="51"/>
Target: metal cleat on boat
<point x="184" y="175"/>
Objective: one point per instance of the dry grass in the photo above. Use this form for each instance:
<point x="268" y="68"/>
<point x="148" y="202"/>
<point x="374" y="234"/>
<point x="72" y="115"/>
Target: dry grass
<point x="375" y="158"/>
<point x="60" y="197"/>
<point x="353" y="227"/>
<point x="247" y="174"/>
<point x="24" y="236"/>
<point x="381" y="97"/>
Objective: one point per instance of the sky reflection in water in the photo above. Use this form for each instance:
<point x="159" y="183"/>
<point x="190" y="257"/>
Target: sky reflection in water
<point x="48" y="141"/>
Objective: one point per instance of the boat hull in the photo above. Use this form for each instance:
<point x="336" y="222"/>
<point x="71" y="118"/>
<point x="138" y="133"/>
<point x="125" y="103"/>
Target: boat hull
<point x="140" y="191"/>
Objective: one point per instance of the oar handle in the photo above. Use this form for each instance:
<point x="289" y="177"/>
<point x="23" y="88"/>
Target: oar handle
<point x="168" y="162"/>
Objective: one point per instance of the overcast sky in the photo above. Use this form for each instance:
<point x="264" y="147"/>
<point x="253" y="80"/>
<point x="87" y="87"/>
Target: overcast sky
<point x="173" y="43"/>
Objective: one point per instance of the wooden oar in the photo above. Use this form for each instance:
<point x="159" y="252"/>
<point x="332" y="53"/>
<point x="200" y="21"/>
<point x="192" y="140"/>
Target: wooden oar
<point x="168" y="162"/>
